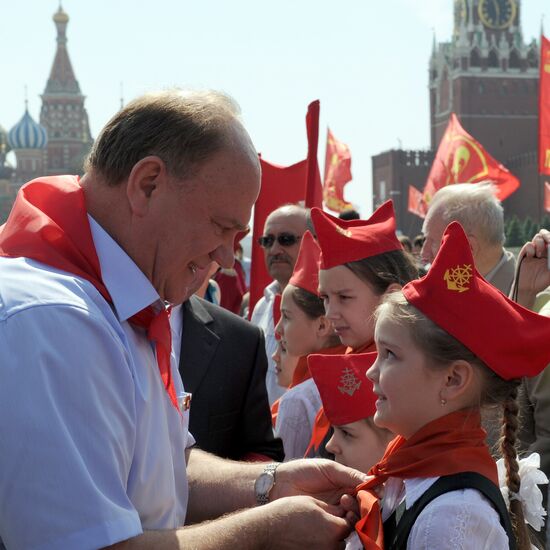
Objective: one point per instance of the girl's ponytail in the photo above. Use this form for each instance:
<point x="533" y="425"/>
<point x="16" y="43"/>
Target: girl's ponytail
<point x="510" y="427"/>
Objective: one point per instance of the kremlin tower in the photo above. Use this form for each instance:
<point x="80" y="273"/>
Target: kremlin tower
<point x="63" y="113"/>
<point x="62" y="139"/>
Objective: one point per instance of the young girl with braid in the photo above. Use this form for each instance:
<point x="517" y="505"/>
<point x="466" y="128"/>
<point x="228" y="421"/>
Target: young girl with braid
<point x="361" y="262"/>
<point x="448" y="345"/>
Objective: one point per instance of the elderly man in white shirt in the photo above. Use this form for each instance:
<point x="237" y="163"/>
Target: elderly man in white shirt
<point x="95" y="450"/>
<point x="283" y="230"/>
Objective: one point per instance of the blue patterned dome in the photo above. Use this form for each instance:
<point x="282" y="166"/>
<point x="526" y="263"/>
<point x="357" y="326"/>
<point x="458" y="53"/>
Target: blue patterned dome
<point x="27" y="134"/>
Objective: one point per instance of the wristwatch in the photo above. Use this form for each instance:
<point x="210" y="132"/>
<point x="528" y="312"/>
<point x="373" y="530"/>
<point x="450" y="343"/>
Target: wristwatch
<point x="265" y="482"/>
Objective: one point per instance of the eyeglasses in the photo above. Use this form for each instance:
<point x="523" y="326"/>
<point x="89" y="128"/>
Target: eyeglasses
<point x="284" y="239"/>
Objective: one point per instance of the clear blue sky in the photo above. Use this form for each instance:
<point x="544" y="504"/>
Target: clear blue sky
<point x="366" y="60"/>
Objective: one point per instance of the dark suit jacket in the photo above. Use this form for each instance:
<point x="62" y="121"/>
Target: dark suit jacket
<point x="223" y="365"/>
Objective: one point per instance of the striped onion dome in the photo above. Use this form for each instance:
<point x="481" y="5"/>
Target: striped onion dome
<point x="27" y="134"/>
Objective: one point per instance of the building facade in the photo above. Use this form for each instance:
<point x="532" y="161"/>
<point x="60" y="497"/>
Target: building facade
<point x="488" y="76"/>
<point x="60" y="142"/>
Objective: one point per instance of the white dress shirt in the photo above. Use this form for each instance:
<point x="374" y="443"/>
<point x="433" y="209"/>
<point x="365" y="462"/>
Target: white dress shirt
<point x="297" y="411"/>
<point x="262" y="317"/>
<point x="92" y="451"/>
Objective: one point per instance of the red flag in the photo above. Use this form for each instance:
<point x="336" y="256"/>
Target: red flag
<point x="544" y="107"/>
<point x="462" y="159"/>
<point x="547" y="196"/>
<point x="337" y="174"/>
<point x="280" y="185"/>
<point x="284" y="185"/>
<point x="417" y="205"/>
<point x="314" y="191"/>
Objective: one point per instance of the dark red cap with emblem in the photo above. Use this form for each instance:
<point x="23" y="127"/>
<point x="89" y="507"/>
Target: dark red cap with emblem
<point x="511" y="340"/>
<point x="306" y="270"/>
<point x="346" y="392"/>
<point x="344" y="241"/>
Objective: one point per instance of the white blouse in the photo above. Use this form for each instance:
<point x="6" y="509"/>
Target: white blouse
<point x="297" y="411"/>
<point x="462" y="519"/>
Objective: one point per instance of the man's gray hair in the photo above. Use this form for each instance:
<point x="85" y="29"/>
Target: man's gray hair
<point x="182" y="127"/>
<point x="475" y="207"/>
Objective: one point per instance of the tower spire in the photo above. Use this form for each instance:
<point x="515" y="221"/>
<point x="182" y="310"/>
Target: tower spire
<point x="62" y="78"/>
<point x="63" y="114"/>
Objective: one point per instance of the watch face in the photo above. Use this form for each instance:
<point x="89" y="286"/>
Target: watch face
<point x="497" y="14"/>
<point x="264" y="483"/>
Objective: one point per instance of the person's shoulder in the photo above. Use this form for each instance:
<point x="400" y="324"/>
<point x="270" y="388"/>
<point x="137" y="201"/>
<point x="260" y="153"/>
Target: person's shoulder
<point x="26" y="284"/>
<point x="458" y="519"/>
<point x="300" y="391"/>
<point x="304" y="396"/>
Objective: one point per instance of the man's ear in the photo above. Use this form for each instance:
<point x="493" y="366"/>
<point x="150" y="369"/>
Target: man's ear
<point x="144" y="180"/>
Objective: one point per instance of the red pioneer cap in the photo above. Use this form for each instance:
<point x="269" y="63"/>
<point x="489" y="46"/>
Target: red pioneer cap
<point x="344" y="241"/>
<point x="346" y="392"/>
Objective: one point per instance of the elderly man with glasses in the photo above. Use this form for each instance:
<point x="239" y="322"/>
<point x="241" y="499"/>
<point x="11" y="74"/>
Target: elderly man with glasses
<point x="283" y="230"/>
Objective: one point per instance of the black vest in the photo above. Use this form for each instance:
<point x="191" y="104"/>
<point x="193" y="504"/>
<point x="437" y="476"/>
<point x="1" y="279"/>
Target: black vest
<point x="396" y="532"/>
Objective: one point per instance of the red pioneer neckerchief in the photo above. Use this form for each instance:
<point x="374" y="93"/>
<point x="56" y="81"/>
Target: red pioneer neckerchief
<point x="448" y="445"/>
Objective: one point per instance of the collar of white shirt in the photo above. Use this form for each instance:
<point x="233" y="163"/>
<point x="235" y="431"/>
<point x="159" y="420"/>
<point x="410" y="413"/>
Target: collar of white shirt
<point x="397" y="489"/>
<point x="271" y="290"/>
<point x="119" y="274"/>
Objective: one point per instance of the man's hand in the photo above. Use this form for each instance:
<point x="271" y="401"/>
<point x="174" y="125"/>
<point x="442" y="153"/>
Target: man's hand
<point x="350" y="506"/>
<point x="304" y="522"/>
<point x="322" y="479"/>
<point x="534" y="273"/>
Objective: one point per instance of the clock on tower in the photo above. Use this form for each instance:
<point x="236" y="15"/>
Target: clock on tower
<point x="497" y="14"/>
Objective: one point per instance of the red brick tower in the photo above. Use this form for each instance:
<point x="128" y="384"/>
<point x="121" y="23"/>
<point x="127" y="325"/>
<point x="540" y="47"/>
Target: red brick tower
<point x="63" y="113"/>
<point x="488" y="76"/>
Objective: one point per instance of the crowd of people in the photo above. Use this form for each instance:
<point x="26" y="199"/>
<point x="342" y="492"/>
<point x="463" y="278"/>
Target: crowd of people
<point x="384" y="395"/>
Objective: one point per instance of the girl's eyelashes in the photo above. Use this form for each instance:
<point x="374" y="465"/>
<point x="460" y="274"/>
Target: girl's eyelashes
<point x="345" y="433"/>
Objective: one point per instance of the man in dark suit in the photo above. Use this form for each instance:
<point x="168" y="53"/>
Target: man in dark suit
<point x="223" y="366"/>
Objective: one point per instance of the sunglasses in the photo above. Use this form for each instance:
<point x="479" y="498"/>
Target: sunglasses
<point x="284" y="239"/>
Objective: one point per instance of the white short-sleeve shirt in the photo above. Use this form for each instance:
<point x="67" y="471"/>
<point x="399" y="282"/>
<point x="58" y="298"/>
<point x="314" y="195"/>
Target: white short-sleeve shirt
<point x="296" y="416"/>
<point x="92" y="451"/>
